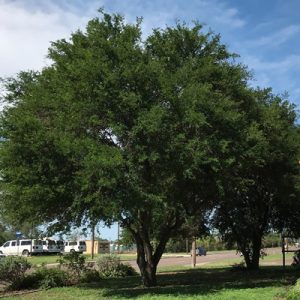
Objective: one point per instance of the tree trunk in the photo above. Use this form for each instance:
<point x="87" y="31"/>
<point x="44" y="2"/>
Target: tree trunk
<point x="256" y="247"/>
<point x="252" y="254"/>
<point x="148" y="273"/>
<point x="147" y="259"/>
<point x="146" y="263"/>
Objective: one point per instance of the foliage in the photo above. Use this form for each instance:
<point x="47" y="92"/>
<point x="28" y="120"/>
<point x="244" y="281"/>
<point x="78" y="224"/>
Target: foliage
<point x="111" y="266"/>
<point x="54" y="277"/>
<point x="90" y="275"/>
<point x="8" y="232"/>
<point x="294" y="292"/>
<point x="75" y="263"/>
<point x="49" y="278"/>
<point x="154" y="133"/>
<point x="44" y="278"/>
<point x="12" y="269"/>
<point x="271" y="240"/>
<point x="210" y="243"/>
<point x="200" y="283"/>
<point x="261" y="194"/>
<point x="126" y="238"/>
<point x="5" y="234"/>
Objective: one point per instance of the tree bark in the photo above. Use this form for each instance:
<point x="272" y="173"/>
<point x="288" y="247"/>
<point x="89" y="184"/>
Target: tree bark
<point x="146" y="263"/>
<point x="252" y="254"/>
<point x="147" y="259"/>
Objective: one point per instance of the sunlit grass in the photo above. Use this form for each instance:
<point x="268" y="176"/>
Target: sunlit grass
<point x="199" y="283"/>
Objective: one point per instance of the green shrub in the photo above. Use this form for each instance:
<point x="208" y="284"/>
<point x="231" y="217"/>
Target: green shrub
<point x="49" y="278"/>
<point x="126" y="270"/>
<point x="43" y="278"/>
<point x="12" y="269"/>
<point x="90" y="275"/>
<point x="110" y="266"/>
<point x="75" y="263"/>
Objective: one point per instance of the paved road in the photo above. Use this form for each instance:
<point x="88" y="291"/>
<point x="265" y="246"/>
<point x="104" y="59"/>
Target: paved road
<point x="211" y="257"/>
<point x="186" y="260"/>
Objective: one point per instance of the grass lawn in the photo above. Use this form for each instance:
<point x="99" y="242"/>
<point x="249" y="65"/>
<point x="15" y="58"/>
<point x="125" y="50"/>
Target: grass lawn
<point x="214" y="281"/>
<point x="200" y="283"/>
<point x="50" y="259"/>
<point x="43" y="259"/>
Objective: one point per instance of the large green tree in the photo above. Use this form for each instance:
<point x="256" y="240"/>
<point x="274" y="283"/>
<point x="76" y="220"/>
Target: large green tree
<point x="118" y="128"/>
<point x="261" y="193"/>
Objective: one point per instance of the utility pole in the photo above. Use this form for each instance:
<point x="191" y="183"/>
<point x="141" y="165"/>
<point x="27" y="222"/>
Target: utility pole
<point x="118" y="238"/>
<point x="283" y="251"/>
<point x="194" y="253"/>
<point x="187" y="245"/>
<point x="93" y="240"/>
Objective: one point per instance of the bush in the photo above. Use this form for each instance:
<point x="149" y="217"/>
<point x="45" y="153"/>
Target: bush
<point x="126" y="270"/>
<point x="75" y="263"/>
<point x="12" y="269"/>
<point x="27" y="282"/>
<point x="90" y="275"/>
<point x="49" y="278"/>
<point x="110" y="266"/>
<point x="44" y="278"/>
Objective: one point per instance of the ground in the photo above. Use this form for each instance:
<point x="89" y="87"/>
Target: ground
<point x="212" y="279"/>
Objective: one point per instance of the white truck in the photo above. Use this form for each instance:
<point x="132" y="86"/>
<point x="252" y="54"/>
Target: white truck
<point x="23" y="247"/>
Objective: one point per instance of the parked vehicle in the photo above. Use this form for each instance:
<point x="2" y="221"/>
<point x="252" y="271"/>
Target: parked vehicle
<point x="75" y="246"/>
<point x="24" y="247"/>
<point x="50" y="247"/>
<point x="60" y="245"/>
<point x="200" y="251"/>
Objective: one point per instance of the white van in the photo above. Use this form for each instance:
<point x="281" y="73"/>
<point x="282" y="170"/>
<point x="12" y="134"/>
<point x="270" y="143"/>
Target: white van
<point x="50" y="247"/>
<point x="78" y="246"/>
<point x="22" y="247"/>
<point x="60" y="245"/>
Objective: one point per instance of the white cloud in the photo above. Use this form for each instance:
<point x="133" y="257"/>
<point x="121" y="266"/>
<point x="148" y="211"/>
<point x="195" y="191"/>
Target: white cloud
<point x="287" y="64"/>
<point x="278" y="74"/>
<point x="229" y="17"/>
<point x="25" y="34"/>
<point x="277" y="38"/>
<point x="27" y="27"/>
<point x="156" y="13"/>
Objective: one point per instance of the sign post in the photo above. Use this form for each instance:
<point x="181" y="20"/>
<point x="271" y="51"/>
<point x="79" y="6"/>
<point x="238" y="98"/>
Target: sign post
<point x="18" y="236"/>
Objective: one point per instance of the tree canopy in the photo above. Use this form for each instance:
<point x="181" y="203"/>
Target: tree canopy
<point x="261" y="193"/>
<point x="146" y="132"/>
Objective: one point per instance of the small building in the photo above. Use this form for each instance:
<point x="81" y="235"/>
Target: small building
<point x="100" y="247"/>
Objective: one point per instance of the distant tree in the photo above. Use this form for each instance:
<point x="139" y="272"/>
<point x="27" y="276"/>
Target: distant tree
<point x="8" y="232"/>
<point x="120" y="129"/>
<point x="261" y="194"/>
<point x="5" y="234"/>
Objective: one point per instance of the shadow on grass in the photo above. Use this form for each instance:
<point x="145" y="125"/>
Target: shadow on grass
<point x="198" y="282"/>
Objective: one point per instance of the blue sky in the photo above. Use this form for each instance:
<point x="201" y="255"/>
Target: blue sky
<point x="265" y="33"/>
